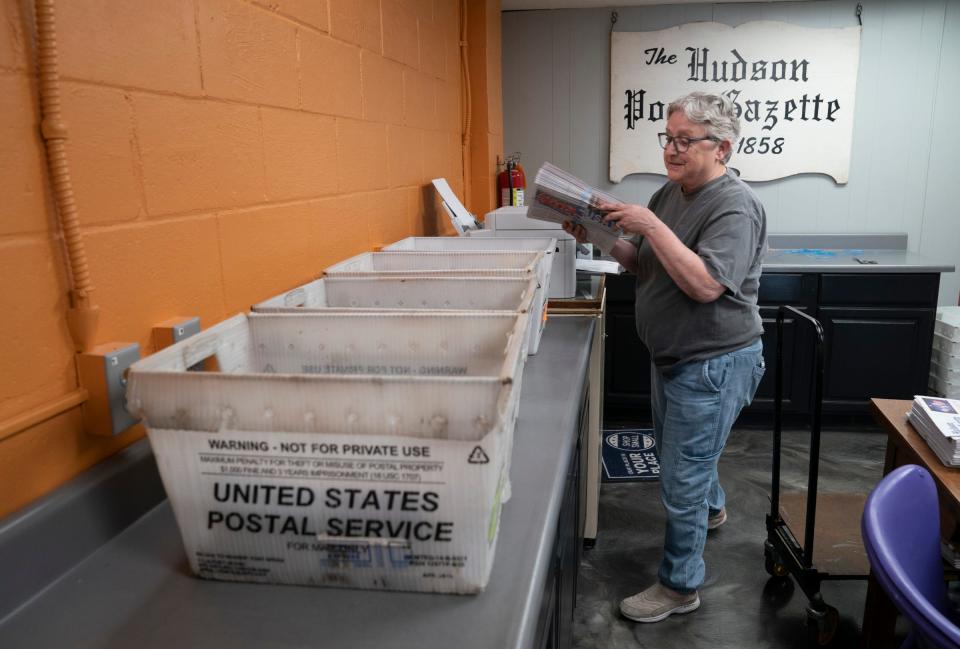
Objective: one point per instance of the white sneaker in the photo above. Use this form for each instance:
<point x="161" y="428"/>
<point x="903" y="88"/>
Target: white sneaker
<point x="716" y="520"/>
<point x="658" y="603"/>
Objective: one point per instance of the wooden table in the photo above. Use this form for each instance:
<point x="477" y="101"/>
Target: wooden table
<point x="905" y="446"/>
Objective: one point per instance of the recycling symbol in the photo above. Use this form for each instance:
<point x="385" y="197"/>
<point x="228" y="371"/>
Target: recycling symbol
<point x="477" y="456"/>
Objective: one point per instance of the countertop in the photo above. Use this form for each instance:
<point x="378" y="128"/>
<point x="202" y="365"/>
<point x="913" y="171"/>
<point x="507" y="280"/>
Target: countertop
<point x="844" y="260"/>
<point x="838" y="253"/>
<point x="137" y="590"/>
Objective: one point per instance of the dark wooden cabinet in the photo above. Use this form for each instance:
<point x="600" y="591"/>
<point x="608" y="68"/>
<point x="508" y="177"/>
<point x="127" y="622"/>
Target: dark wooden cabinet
<point x="796" y="365"/>
<point x="878" y="329"/>
<point x="555" y="629"/>
<point x="627" y="362"/>
<point x="879" y="289"/>
<point x="877" y="352"/>
<point x="626" y="380"/>
<point x="797" y="290"/>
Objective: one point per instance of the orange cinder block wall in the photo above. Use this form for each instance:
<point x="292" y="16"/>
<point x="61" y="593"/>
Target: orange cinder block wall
<point x="222" y="152"/>
<point x="486" y="126"/>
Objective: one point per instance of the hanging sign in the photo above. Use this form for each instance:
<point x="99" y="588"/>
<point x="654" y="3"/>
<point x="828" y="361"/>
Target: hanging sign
<point x="792" y="88"/>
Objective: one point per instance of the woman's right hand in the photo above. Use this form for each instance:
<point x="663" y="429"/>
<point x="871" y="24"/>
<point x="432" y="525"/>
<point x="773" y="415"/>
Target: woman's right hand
<point x="578" y="232"/>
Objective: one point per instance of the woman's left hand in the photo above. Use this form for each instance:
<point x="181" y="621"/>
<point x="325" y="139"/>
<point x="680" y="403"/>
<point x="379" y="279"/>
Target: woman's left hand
<point x="632" y="219"/>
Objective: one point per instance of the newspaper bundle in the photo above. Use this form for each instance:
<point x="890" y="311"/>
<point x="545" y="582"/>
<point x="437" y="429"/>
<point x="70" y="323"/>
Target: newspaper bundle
<point x="938" y="421"/>
<point x="561" y="196"/>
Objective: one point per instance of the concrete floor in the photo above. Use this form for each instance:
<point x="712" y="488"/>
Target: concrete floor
<point x="741" y="607"/>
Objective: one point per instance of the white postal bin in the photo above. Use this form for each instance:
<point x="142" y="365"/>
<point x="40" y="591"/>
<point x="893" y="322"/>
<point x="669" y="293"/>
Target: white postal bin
<point x="335" y="293"/>
<point x="486" y="263"/>
<point x="379" y="293"/>
<point x="399" y="263"/>
<point x="546" y="245"/>
<point x="349" y="449"/>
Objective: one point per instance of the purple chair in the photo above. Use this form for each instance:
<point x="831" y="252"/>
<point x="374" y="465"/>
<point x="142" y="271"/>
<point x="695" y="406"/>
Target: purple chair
<point x="901" y="533"/>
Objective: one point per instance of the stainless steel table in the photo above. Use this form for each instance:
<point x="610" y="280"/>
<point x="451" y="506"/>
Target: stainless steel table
<point x="590" y="301"/>
<point x="136" y="590"/>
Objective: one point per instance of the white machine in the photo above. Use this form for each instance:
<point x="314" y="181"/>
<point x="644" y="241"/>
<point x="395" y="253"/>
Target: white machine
<point x="512" y="223"/>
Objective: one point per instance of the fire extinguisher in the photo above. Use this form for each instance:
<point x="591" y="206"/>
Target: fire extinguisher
<point x="511" y="182"/>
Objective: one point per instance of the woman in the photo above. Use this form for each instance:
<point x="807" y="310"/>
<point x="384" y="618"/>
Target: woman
<point x="696" y="252"/>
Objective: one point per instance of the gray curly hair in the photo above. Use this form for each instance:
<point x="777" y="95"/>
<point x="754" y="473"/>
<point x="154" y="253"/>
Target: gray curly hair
<point x="715" y="112"/>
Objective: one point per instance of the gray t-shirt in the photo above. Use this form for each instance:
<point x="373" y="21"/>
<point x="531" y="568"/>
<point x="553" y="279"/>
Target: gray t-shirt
<point x="725" y="224"/>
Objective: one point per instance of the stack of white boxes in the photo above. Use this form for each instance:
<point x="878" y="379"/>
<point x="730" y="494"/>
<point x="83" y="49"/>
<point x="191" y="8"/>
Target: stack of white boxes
<point x="945" y="358"/>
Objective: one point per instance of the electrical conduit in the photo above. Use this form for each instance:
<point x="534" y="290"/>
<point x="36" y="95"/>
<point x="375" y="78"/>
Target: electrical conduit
<point x="82" y="314"/>
<point x="467" y="107"/>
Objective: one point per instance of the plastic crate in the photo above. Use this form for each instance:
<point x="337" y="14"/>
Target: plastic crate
<point x="414" y="293"/>
<point x="405" y="263"/>
<point x="364" y="450"/>
<point x="945" y="345"/>
<point x="945" y="360"/>
<point x="944" y="388"/>
<point x="546" y="245"/>
<point x="947" y="373"/>
<point x="409" y="293"/>
<point x="948" y="322"/>
<point x="412" y="263"/>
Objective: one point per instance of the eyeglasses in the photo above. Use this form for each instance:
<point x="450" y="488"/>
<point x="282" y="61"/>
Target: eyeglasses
<point x="682" y="144"/>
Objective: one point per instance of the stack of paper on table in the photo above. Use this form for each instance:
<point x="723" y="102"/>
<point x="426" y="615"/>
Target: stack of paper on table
<point x="938" y="422"/>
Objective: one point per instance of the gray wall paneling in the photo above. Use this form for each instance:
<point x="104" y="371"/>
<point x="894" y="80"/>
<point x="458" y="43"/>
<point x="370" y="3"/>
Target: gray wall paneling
<point x="940" y="224"/>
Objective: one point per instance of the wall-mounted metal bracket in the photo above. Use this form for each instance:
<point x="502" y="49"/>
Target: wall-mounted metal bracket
<point x="102" y="372"/>
<point x="174" y="330"/>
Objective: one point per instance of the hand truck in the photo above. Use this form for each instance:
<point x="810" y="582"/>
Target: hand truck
<point x="783" y="555"/>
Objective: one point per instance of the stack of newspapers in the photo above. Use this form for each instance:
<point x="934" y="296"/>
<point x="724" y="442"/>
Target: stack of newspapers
<point x="938" y="422"/>
<point x="561" y="196"/>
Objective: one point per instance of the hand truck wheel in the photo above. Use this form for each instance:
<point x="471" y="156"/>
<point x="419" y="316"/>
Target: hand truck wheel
<point x="821" y="626"/>
<point x="771" y="561"/>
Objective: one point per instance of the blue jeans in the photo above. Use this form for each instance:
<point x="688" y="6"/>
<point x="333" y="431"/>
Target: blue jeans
<point x="694" y="406"/>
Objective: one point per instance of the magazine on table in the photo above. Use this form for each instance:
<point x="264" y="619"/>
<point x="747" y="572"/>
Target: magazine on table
<point x="937" y="420"/>
<point x="940" y="414"/>
<point x="561" y="196"/>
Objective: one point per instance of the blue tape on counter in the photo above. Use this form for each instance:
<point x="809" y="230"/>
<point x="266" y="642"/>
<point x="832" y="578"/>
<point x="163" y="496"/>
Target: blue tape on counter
<point x="815" y="252"/>
<point x="630" y="454"/>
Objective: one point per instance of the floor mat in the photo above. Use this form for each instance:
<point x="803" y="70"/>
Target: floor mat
<point x="629" y="454"/>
